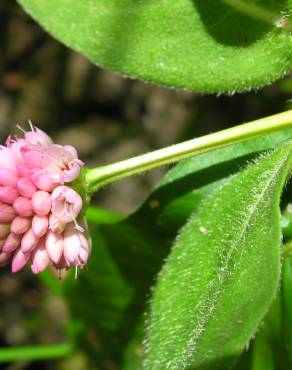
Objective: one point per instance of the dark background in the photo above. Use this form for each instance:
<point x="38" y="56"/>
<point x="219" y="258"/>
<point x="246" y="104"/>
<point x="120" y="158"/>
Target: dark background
<point x="108" y="118"/>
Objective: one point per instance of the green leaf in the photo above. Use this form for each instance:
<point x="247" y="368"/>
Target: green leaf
<point x="98" y="216"/>
<point x="109" y="298"/>
<point x="108" y="301"/>
<point x="287" y="305"/>
<point x="222" y="273"/>
<point x="270" y="349"/>
<point x="268" y="340"/>
<point x="184" y="43"/>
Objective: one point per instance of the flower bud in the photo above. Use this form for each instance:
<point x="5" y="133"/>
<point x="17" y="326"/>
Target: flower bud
<point x="29" y="241"/>
<point x="76" y="247"/>
<point x="25" y="187"/>
<point x="20" y="225"/>
<point x="43" y="181"/>
<point x="12" y="242"/>
<point x="55" y="246"/>
<point x="7" y="213"/>
<point x="38" y="215"/>
<point x="7" y="177"/>
<point x="32" y="158"/>
<point x="19" y="260"/>
<point x="23" y="207"/>
<point x="38" y="137"/>
<point x="40" y="258"/>
<point x="8" y="194"/>
<point x="40" y="225"/>
<point x="41" y="203"/>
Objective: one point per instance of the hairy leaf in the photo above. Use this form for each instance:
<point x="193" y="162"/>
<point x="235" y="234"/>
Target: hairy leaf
<point x="222" y="274"/>
<point x="111" y="295"/>
<point x="184" y="43"/>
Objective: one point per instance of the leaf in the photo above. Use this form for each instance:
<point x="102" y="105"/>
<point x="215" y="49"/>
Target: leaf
<point x="98" y="216"/>
<point x="184" y="43"/>
<point x="267" y="342"/>
<point x="287" y="305"/>
<point x="109" y="299"/>
<point x="270" y="350"/>
<point x="222" y="273"/>
<point x="128" y="254"/>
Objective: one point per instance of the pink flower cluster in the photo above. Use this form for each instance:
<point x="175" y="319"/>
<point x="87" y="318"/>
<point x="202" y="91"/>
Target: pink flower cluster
<point x="38" y="212"/>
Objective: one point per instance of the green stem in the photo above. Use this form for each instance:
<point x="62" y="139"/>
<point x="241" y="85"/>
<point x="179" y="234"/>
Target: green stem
<point x="100" y="176"/>
<point x="32" y="353"/>
<point x="257" y="12"/>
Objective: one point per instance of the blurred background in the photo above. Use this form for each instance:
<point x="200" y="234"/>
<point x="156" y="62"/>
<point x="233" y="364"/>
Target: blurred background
<point x="108" y="118"/>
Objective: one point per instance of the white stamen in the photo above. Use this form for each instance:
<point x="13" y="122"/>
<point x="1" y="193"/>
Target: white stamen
<point x="31" y="126"/>
<point x="20" y="128"/>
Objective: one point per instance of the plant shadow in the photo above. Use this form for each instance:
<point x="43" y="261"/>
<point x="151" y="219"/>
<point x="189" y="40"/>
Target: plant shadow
<point x="230" y="27"/>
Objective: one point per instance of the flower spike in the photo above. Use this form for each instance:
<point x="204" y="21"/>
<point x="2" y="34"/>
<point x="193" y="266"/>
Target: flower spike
<point x="38" y="213"/>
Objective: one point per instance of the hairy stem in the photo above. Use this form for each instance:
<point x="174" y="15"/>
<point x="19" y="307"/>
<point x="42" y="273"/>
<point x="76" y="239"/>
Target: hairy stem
<point x="100" y="176"/>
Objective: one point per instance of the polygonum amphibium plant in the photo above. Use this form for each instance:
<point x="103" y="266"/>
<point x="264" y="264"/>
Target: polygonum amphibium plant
<point x="230" y="243"/>
<point x="212" y="243"/>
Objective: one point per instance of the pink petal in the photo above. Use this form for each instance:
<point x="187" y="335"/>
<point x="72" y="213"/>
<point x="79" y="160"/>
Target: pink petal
<point x="23" y="170"/>
<point x="8" y="160"/>
<point x="8" y="194"/>
<point x="40" y="225"/>
<point x="7" y="177"/>
<point x="12" y="242"/>
<point x="43" y="181"/>
<point x="7" y="213"/>
<point x="32" y="158"/>
<point x="71" y="150"/>
<point x="72" y="173"/>
<point x="38" y="137"/>
<point x="25" y="187"/>
<point x="23" y="207"/>
<point x="55" y="225"/>
<point x="19" y="260"/>
<point x="66" y="204"/>
<point x="76" y="246"/>
<point x="41" y="203"/>
<point x="20" y="225"/>
<point x="55" y="246"/>
<point x="40" y="258"/>
<point x="29" y="241"/>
